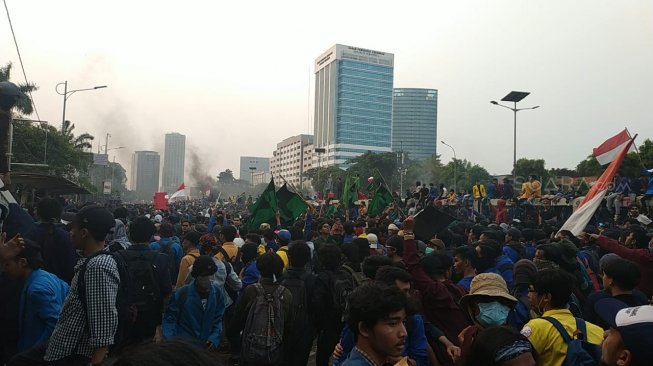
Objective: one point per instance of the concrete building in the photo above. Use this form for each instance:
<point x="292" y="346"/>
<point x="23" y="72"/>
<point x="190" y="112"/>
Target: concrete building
<point x="291" y="159"/>
<point x="353" y="103"/>
<point x="145" y="174"/>
<point x="415" y="122"/>
<point x="247" y="162"/>
<point x="173" y="162"/>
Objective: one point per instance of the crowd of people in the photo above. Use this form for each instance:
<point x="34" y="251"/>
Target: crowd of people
<point x="197" y="284"/>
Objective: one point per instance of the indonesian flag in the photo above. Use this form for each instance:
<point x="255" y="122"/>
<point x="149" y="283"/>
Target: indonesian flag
<point x="608" y="151"/>
<point x="579" y="219"/>
<point x="180" y="194"/>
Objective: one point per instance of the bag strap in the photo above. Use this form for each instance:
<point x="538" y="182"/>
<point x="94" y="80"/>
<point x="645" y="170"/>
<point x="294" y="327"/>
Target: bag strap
<point x="224" y="253"/>
<point x="581" y="329"/>
<point x="183" y="296"/>
<point x="560" y="328"/>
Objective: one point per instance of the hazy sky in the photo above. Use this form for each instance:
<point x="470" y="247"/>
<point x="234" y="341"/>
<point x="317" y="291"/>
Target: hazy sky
<point x="234" y="76"/>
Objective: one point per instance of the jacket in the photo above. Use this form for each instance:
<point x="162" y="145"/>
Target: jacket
<point x="515" y="251"/>
<point x="186" y="262"/>
<point x="503" y="267"/>
<point x="478" y="190"/>
<point x="416" y="346"/>
<point x="174" y="246"/>
<point x="250" y="274"/>
<point x="190" y="319"/>
<point x="440" y="307"/>
<point x="643" y="258"/>
<point x="41" y="301"/>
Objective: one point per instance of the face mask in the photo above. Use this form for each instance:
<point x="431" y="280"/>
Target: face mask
<point x="428" y="250"/>
<point x="492" y="314"/>
<point x="203" y="283"/>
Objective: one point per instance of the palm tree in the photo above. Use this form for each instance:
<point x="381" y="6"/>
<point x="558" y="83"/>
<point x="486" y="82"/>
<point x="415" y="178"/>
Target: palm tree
<point x="81" y="142"/>
<point x="24" y="105"/>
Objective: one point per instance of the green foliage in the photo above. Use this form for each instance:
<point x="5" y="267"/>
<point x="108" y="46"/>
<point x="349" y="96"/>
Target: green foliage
<point x="589" y="167"/>
<point x="321" y="180"/>
<point x="63" y="158"/>
<point x="371" y="164"/>
<point x="226" y="177"/>
<point x="525" y="167"/>
<point x="24" y="106"/>
<point x="466" y="173"/>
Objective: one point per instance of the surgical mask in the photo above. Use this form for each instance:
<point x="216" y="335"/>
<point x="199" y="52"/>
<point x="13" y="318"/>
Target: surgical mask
<point x="203" y="283"/>
<point x="492" y="314"/>
<point x="428" y="250"/>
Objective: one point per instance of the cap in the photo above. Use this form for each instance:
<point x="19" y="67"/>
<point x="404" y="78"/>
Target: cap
<point x="158" y="218"/>
<point x="204" y="266"/>
<point x="437" y="243"/>
<point x="393" y="227"/>
<point x="635" y="325"/>
<point x="96" y="219"/>
<point x="284" y="236"/>
<point x="504" y="227"/>
<point x="487" y="285"/>
<point x="374" y="240"/>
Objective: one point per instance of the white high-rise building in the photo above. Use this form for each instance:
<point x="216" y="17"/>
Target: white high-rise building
<point x="173" y="162"/>
<point x="259" y="165"/>
<point x="291" y="159"/>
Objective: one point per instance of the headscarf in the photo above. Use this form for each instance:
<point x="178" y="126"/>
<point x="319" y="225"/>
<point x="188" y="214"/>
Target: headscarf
<point x="119" y="235"/>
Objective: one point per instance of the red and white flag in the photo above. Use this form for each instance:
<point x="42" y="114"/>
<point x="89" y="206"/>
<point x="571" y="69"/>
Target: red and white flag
<point x="179" y="195"/>
<point x="579" y="219"/>
<point x="608" y="151"/>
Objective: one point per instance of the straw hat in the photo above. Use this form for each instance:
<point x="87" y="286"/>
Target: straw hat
<point x="487" y="285"/>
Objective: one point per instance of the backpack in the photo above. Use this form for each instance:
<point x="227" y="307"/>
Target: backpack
<point x="301" y="320"/>
<point x="344" y="283"/>
<point x="263" y="332"/>
<point x="173" y="265"/>
<point x="579" y="351"/>
<point x="139" y="298"/>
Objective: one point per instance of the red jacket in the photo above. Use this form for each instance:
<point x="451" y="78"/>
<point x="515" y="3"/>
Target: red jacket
<point x="643" y="258"/>
<point x="439" y="305"/>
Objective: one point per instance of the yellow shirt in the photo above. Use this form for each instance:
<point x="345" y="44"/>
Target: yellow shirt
<point x="526" y="190"/>
<point x="548" y="343"/>
<point x="186" y="262"/>
<point x="283" y="254"/>
<point x="536" y="189"/>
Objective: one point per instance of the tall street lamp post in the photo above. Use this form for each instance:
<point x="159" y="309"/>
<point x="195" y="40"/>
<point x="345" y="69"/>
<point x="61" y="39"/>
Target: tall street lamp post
<point x="67" y="93"/>
<point x="455" y="163"/>
<point x="514" y="97"/>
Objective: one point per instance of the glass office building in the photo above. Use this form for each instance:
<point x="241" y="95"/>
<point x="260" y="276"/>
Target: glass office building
<point x="415" y="122"/>
<point x="353" y="103"/>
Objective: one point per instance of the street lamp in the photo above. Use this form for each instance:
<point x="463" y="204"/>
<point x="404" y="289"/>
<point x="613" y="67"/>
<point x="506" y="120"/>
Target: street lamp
<point x="455" y="163"/>
<point x="514" y="96"/>
<point x="67" y="93"/>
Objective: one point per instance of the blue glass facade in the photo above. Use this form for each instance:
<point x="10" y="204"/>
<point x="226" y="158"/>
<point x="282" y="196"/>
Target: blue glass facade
<point x="415" y="122"/>
<point x="353" y="103"/>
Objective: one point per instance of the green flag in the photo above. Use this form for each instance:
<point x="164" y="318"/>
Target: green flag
<point x="331" y="211"/>
<point x="382" y="198"/>
<point x="263" y="209"/>
<point x="350" y="192"/>
<point x="290" y="204"/>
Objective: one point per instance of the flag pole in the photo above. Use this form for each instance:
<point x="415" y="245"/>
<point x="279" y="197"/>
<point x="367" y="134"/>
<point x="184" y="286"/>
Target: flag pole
<point x="295" y="192"/>
<point x="637" y="150"/>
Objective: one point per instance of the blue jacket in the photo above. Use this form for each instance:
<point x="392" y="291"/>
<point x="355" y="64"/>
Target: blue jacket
<point x="649" y="187"/>
<point x="174" y="245"/>
<point x="503" y="266"/>
<point x="466" y="283"/>
<point x="190" y="320"/>
<point x="530" y="250"/>
<point x="41" y="301"/>
<point x="250" y="275"/>
<point x="356" y="358"/>
<point x="416" y="344"/>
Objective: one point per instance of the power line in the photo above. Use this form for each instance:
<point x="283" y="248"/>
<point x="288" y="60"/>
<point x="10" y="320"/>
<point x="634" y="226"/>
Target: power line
<point x="20" y="59"/>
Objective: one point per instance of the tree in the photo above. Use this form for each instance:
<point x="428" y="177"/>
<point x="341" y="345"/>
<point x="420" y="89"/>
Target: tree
<point x="589" y="167"/>
<point x="23" y="106"/>
<point x="81" y="142"/>
<point x="371" y="164"/>
<point x="326" y="178"/>
<point x="525" y="167"/>
<point x="226" y="177"/>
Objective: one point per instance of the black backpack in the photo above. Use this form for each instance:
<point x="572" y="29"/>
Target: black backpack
<point x="344" y="283"/>
<point x="264" y="328"/>
<point x="139" y="298"/>
<point x="173" y="265"/>
<point x="297" y="287"/>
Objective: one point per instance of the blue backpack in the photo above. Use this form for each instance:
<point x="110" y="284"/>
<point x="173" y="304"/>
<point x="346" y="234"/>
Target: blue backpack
<point x="579" y="351"/>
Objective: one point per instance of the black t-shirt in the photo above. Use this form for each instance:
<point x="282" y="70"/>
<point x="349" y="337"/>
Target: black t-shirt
<point x="637" y="298"/>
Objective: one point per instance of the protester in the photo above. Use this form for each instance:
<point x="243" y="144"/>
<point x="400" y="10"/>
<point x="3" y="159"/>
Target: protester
<point x="56" y="248"/>
<point x="190" y="244"/>
<point x="628" y="340"/>
<point x="195" y="311"/>
<point x="501" y="346"/>
<point x="41" y="299"/>
<point x="87" y="324"/>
